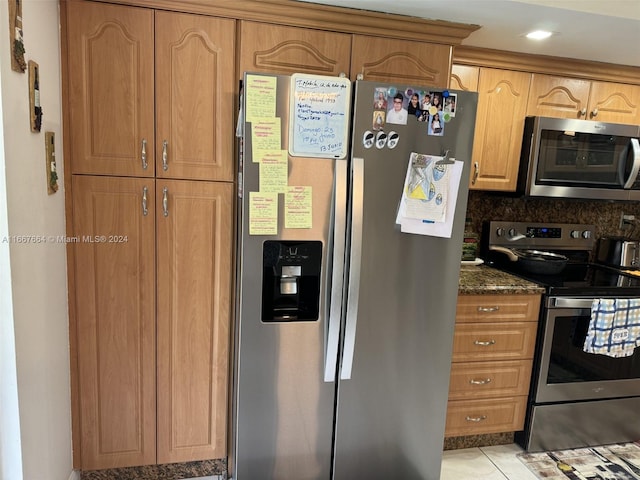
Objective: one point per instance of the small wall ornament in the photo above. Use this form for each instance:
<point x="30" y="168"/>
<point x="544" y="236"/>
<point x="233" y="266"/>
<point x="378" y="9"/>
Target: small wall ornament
<point x="52" y="172"/>
<point x="34" y="96"/>
<point x="16" y="40"/>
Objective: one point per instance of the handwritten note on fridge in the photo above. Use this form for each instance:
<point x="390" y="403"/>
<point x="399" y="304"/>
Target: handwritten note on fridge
<point x="319" y="120"/>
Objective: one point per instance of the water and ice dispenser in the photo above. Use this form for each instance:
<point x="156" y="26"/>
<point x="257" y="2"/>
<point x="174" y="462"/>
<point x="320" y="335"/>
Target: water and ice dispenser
<point x="291" y="280"/>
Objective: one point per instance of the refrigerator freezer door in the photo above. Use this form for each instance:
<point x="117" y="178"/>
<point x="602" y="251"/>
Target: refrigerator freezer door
<point x="391" y="412"/>
<point x="284" y="409"/>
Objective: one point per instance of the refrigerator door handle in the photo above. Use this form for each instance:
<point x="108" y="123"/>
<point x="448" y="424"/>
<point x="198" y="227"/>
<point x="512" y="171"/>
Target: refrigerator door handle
<point x="355" y="253"/>
<point x="335" y="305"/>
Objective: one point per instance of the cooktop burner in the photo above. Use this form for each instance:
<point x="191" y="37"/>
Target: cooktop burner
<point x="582" y="279"/>
<point x="579" y="277"/>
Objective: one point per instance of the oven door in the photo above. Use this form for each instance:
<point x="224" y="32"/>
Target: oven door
<point x="568" y="373"/>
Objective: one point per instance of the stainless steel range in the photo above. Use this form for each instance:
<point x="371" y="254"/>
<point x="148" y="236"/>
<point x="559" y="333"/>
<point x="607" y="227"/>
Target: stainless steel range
<point x="576" y="399"/>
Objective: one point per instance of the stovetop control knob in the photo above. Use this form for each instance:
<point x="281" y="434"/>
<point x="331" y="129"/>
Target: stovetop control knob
<point x="586" y="234"/>
<point x="575" y="234"/>
<point x="500" y="231"/>
<point x="513" y="232"/>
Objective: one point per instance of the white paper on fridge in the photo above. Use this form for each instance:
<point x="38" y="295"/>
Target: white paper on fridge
<point x="426" y="188"/>
<point x="420" y="219"/>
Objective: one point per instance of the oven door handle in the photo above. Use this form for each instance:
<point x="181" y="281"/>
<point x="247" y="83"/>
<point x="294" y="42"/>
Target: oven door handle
<point x="568" y="302"/>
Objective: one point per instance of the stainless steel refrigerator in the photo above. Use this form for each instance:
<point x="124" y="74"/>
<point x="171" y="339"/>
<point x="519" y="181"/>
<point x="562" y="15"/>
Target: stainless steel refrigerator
<point x="344" y="323"/>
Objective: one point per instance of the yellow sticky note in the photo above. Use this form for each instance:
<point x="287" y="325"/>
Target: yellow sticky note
<point x="274" y="171"/>
<point x="297" y="207"/>
<point x="266" y="135"/>
<point x="263" y="213"/>
<point x="260" y="94"/>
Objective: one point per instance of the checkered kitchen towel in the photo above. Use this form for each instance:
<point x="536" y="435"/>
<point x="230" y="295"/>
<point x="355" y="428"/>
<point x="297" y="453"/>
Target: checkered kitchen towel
<point x="614" y="329"/>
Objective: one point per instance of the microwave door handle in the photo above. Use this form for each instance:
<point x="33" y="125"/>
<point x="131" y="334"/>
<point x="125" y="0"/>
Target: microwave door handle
<point x="635" y="148"/>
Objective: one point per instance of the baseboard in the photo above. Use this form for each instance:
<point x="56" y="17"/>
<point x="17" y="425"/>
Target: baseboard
<point x="75" y="475"/>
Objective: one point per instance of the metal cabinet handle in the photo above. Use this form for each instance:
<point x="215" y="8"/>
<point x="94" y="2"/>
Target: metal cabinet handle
<point x="583" y="112"/>
<point x="594" y="112"/>
<point x="480" y="382"/>
<point x="476" y="172"/>
<point x="484" y="343"/>
<point x="165" y="165"/>
<point x="165" y="201"/>
<point x="145" y="210"/>
<point x="476" y="419"/>
<point x="143" y="155"/>
<point x="488" y="309"/>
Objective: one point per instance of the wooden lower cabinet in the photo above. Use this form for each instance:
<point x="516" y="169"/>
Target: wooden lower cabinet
<point x="152" y="300"/>
<point x="494" y="341"/>
<point x="474" y="417"/>
<point x="472" y="380"/>
<point x="194" y="272"/>
<point x="115" y="295"/>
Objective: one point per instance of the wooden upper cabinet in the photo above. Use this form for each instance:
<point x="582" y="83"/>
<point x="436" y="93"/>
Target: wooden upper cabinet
<point x="195" y="91"/>
<point x="278" y="49"/>
<point x="400" y="61"/>
<point x="502" y="104"/>
<point x="614" y="102"/>
<point x="552" y="96"/>
<point x="115" y="302"/>
<point x="464" y="77"/>
<point x="111" y="95"/>
<point x="195" y="236"/>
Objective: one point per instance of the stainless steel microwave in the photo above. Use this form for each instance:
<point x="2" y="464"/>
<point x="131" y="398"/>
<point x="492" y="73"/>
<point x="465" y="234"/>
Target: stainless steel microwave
<point x="579" y="159"/>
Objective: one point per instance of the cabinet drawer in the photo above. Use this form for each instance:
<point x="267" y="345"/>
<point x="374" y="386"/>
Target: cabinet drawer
<point x="493" y="341"/>
<point x="492" y="308"/>
<point x="473" y="417"/>
<point x="489" y="379"/>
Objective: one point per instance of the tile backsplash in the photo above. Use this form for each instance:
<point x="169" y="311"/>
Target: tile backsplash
<point x="605" y="215"/>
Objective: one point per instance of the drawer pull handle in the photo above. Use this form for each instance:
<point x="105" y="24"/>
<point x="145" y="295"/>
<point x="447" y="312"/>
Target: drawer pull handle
<point x="488" y="309"/>
<point x="484" y="344"/>
<point x="476" y="419"/>
<point x="480" y="382"/>
<point x="476" y="172"/>
<point x="165" y="165"/>
<point x="143" y="154"/>
<point x="165" y="201"/>
<point x="145" y="208"/>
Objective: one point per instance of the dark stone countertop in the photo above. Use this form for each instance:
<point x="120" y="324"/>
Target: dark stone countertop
<point x="481" y="279"/>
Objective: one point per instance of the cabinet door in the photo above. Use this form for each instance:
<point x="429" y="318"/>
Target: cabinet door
<point x="502" y="104"/>
<point x="111" y="95"/>
<point x="195" y="87"/>
<point x="560" y="97"/>
<point x="614" y="102"/>
<point x="286" y="50"/>
<point x="194" y="308"/>
<point x="464" y="77"/>
<point x="400" y="61"/>
<point x="115" y="320"/>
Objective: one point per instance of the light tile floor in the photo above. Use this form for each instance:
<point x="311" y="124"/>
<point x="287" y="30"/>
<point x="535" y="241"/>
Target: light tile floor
<point x="485" y="463"/>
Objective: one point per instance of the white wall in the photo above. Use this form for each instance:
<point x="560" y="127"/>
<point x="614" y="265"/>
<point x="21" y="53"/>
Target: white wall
<point x="38" y="270"/>
<point x="10" y="452"/>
